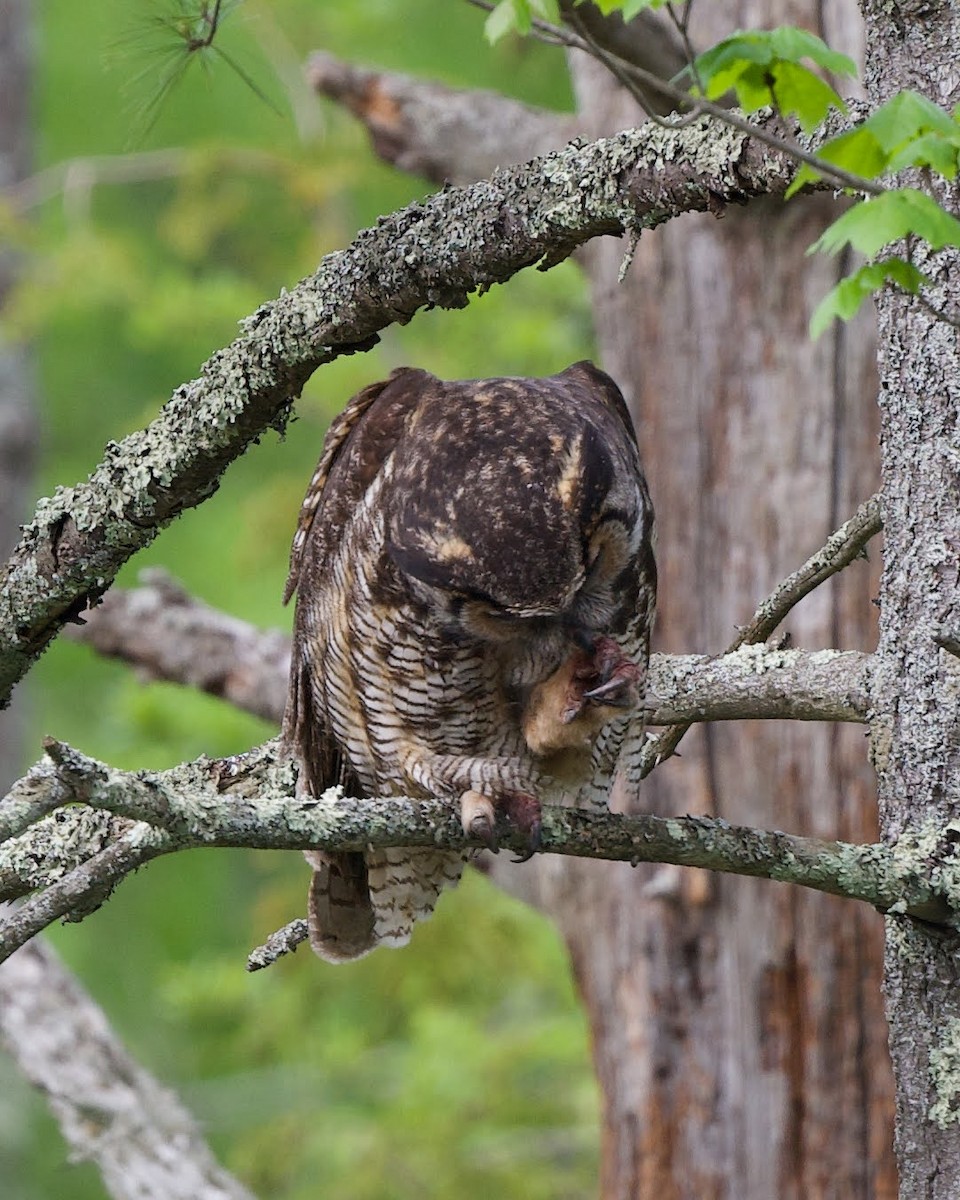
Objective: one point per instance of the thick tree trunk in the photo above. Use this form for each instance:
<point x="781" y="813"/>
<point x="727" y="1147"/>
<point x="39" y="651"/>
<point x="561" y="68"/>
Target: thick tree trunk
<point x="915" y="744"/>
<point x="738" y="1029"/>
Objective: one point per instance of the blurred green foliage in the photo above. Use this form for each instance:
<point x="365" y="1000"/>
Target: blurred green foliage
<point x="456" y="1067"/>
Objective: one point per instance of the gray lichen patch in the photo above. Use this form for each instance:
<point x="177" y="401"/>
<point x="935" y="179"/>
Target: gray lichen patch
<point x="945" y="1076"/>
<point x="928" y="853"/>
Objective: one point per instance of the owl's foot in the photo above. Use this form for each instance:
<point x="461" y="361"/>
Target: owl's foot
<point x="607" y="678"/>
<point x="521" y="810"/>
<point x="479" y="819"/>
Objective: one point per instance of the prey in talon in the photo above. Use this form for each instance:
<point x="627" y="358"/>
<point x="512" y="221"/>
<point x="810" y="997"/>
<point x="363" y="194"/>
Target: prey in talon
<point x="475" y="592"/>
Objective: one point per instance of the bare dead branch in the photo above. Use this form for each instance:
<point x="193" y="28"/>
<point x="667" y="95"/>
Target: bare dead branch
<point x="442" y="133"/>
<point x="841" y="548"/>
<point x="284" y="941"/>
<point x="167" y="634"/>
<point x="109" y="1109"/>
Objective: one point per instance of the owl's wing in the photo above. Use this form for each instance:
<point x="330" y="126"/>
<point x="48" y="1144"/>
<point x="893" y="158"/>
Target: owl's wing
<point x="340" y="912"/>
<point x="357" y="444"/>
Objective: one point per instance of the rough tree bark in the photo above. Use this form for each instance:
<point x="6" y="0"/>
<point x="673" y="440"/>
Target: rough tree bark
<point x="915" y="745"/>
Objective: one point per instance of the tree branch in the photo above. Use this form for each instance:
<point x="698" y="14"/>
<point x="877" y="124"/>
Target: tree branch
<point x="109" y="1109"/>
<point x="250" y="801"/>
<point x="840" y="549"/>
<point x="442" y="133"/>
<point x="430" y="254"/>
<point x="647" y="87"/>
<point x="167" y="634"/>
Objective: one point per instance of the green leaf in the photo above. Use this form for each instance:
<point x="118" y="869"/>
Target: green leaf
<point x="516" y="16"/>
<point x="510" y="16"/>
<point x="929" y="150"/>
<point x="632" y="7"/>
<point x="791" y="45"/>
<point x="908" y="115"/>
<point x="858" y="152"/>
<point x="628" y="9"/>
<point x="797" y="90"/>
<point x="844" y="301"/>
<point x="875" y="223"/>
<point x="764" y="67"/>
<point x="548" y="10"/>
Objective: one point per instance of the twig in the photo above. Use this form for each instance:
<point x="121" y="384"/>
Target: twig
<point x="284" y="941"/>
<point x="839" y="550"/>
<point x="83" y="890"/>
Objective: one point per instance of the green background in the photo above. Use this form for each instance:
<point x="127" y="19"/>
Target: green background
<point x="460" y="1065"/>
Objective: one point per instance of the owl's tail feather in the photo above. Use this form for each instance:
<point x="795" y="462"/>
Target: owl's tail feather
<point x="340" y="915"/>
<point x="405" y="885"/>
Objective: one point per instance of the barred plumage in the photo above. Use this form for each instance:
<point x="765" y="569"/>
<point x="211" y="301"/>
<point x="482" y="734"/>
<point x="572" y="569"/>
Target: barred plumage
<point x="476" y="588"/>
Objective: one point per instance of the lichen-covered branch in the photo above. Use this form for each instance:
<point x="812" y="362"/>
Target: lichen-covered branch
<point x="430" y="254"/>
<point x="167" y="634"/>
<point x="250" y="801"/>
<point x="109" y="1109"/>
<point x="840" y="549"/>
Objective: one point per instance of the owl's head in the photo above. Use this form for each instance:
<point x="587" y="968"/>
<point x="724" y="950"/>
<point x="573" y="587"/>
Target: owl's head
<point x="514" y="529"/>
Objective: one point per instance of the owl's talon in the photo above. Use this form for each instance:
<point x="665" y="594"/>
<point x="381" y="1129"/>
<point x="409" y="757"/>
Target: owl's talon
<point x="478" y="819"/>
<point x="618" y="691"/>
<point x="534" y="842"/>
<point x="615" y="677"/>
<point x="522" y="810"/>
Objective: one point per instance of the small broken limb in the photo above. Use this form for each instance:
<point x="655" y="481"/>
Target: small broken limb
<point x="478" y="816"/>
<point x="284" y="941"/>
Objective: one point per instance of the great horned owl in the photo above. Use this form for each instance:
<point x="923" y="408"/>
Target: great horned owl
<point x="476" y="590"/>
